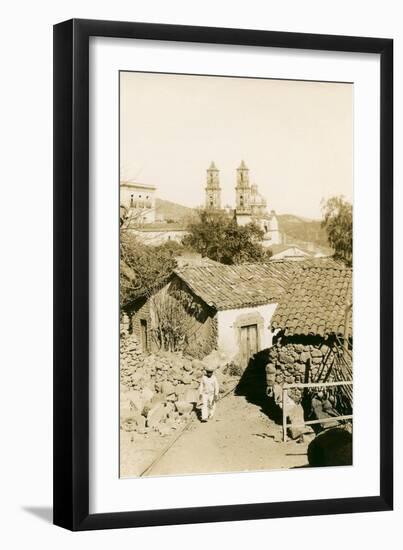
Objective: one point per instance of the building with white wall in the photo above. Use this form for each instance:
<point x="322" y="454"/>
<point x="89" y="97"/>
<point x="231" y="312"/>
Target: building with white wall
<point x="139" y="200"/>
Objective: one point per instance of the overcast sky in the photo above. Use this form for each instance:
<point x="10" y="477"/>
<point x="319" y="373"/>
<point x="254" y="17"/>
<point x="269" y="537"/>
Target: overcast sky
<point x="296" y="137"/>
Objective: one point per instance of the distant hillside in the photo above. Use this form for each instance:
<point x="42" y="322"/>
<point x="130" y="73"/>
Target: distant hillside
<point x="172" y="212"/>
<point x="302" y="229"/>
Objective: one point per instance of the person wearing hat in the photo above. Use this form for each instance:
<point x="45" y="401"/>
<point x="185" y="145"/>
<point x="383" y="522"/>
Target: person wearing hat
<point x="208" y="393"/>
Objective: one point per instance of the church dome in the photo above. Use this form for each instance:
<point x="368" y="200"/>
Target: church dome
<point x="256" y="198"/>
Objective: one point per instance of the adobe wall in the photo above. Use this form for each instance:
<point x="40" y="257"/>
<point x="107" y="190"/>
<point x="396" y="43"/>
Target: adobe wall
<point x="142" y="313"/>
<point x="201" y="321"/>
<point x="194" y="318"/>
<point x="230" y="321"/>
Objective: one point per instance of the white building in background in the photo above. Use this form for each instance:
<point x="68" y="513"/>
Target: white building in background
<point x="139" y="200"/>
<point x="297" y="252"/>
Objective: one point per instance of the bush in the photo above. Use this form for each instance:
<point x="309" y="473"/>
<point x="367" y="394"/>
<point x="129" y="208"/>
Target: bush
<point x="232" y="369"/>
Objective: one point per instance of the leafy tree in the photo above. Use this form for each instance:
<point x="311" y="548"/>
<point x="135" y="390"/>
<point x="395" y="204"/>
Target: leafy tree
<point x="218" y="236"/>
<point x="338" y="222"/>
<point x="242" y="244"/>
<point x="143" y="268"/>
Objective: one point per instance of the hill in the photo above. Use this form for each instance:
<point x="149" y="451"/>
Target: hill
<point x="172" y="212"/>
<point x="302" y="229"/>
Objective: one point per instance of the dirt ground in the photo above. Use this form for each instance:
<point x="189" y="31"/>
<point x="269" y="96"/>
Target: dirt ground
<point x="240" y="437"/>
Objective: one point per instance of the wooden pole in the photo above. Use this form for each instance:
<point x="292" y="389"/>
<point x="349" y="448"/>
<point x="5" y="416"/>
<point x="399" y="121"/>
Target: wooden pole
<point x="328" y="419"/>
<point x="313" y="385"/>
<point x="345" y="335"/>
<point x="319" y="384"/>
<point x="284" y="416"/>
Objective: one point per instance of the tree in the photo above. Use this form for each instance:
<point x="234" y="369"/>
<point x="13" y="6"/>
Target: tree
<point x="218" y="236"/>
<point x="242" y="244"/>
<point x="207" y="233"/>
<point x="142" y="268"/>
<point x="338" y="222"/>
<point x="144" y="271"/>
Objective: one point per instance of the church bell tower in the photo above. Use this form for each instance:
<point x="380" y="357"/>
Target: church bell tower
<point x="243" y="189"/>
<point x="213" y="190"/>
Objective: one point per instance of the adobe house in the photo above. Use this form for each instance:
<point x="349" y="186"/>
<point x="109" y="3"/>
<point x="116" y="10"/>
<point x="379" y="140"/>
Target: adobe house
<point x="202" y="308"/>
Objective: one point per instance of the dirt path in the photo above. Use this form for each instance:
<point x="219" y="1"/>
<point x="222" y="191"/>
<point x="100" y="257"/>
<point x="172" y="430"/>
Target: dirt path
<point x="239" y="438"/>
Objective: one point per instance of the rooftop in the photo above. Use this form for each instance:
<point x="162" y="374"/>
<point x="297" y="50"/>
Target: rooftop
<point x="137" y="185"/>
<point x="193" y="260"/>
<point x="293" y="250"/>
<point x="235" y="286"/>
<point x="315" y="302"/>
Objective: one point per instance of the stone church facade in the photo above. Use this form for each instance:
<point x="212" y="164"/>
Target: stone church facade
<point x="250" y="205"/>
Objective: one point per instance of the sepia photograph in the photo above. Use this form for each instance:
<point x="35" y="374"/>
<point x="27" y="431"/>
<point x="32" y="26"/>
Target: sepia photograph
<point x="236" y="259"/>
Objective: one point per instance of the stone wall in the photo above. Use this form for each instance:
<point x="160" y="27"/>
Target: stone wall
<point x="159" y="391"/>
<point x="296" y="361"/>
<point x="130" y="351"/>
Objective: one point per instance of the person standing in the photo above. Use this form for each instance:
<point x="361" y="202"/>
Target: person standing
<point x="208" y="393"/>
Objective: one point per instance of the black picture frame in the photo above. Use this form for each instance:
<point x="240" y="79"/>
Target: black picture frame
<point x="71" y="273"/>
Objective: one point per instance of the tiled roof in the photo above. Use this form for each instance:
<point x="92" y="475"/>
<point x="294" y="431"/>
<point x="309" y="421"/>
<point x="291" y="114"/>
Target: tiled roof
<point x="235" y="286"/>
<point x="315" y="302"/>
<point x="288" y="268"/>
<point x="324" y="261"/>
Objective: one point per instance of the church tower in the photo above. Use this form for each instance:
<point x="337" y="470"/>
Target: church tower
<point x="243" y="189"/>
<point x="243" y="195"/>
<point x="213" y="190"/>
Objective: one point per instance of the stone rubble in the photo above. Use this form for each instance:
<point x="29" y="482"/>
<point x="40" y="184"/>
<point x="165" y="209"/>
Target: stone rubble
<point x="159" y="391"/>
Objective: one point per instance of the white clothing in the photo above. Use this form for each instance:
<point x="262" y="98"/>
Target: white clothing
<point x="208" y="391"/>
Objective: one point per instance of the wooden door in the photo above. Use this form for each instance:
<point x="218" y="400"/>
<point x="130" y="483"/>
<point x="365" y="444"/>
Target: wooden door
<point x="144" y="335"/>
<point x="249" y="343"/>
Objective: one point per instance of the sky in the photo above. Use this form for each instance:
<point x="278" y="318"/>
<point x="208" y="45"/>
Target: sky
<point x="296" y="137"/>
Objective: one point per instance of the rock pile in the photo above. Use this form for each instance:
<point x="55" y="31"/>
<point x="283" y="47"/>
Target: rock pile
<point x="159" y="391"/>
<point x="294" y="363"/>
